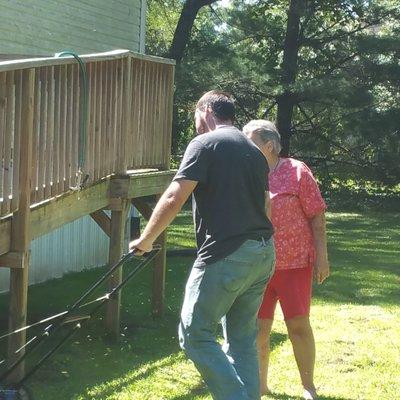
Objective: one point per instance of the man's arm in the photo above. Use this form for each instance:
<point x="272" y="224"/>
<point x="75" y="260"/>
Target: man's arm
<point x="321" y="269"/>
<point x="164" y="213"/>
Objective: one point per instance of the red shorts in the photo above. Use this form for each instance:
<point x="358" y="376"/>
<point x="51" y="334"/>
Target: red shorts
<point x="292" y="287"/>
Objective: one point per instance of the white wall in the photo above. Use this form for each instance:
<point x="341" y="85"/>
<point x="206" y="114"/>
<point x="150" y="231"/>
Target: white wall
<point x="73" y="247"/>
<point x="45" y="27"/>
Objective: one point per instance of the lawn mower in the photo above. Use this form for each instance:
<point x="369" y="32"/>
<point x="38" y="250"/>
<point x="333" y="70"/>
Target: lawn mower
<point x="72" y="319"/>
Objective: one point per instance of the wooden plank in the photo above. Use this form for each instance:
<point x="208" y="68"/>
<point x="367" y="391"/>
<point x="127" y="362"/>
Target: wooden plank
<point x="113" y="116"/>
<point x="63" y="129"/>
<point x="43" y="133"/>
<point x="98" y="127"/>
<point x="3" y="77"/>
<point x="160" y="262"/>
<point x="130" y="141"/>
<point x="135" y="115"/>
<point x="117" y="238"/>
<point x="108" y="124"/>
<point x="8" y="139"/>
<point x="70" y="126"/>
<point x="121" y="122"/>
<point x="5" y="235"/>
<point x="141" y="133"/>
<point x="150" y="142"/>
<point x="36" y="154"/>
<point x="68" y="208"/>
<point x="126" y="117"/>
<point x="143" y="207"/>
<point x="160" y="120"/>
<point x="76" y="131"/>
<point x="20" y="230"/>
<point x="111" y="55"/>
<point x="89" y="122"/>
<point x="159" y="273"/>
<point x="103" y="221"/>
<point x="106" y="120"/>
<point x="148" y="184"/>
<point x="12" y="259"/>
<point x="170" y="97"/>
<point x="75" y="204"/>
<point x="119" y="187"/>
<point x="165" y="118"/>
<point x="144" y="113"/>
<point x="120" y="113"/>
<point x="49" y="134"/>
<point x="158" y="104"/>
<point x="14" y="100"/>
<point x="56" y="132"/>
<point x="103" y="145"/>
<point x="92" y="121"/>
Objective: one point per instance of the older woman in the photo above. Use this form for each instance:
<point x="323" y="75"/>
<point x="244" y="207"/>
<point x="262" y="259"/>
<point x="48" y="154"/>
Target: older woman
<point x="298" y="216"/>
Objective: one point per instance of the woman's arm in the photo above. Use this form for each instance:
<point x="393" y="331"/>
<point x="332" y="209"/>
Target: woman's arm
<point x="321" y="268"/>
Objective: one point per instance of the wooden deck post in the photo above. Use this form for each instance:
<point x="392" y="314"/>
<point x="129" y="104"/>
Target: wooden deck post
<point x="20" y="228"/>
<point x="119" y="206"/>
<point x="160" y="262"/>
<point x="119" y="213"/>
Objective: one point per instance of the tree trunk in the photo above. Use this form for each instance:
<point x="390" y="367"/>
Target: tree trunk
<point x="179" y="43"/>
<point x="184" y="28"/>
<point x="286" y="101"/>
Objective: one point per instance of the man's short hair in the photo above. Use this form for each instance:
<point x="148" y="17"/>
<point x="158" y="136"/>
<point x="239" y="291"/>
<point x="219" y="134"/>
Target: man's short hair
<point x="266" y="131"/>
<point x="221" y="103"/>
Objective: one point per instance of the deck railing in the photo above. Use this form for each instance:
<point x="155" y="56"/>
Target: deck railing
<point x="128" y="121"/>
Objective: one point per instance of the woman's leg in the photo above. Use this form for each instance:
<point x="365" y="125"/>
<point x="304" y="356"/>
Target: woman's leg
<point x="263" y="348"/>
<point x="302" y="338"/>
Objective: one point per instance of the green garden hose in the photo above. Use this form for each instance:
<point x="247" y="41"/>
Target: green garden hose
<point x="81" y="178"/>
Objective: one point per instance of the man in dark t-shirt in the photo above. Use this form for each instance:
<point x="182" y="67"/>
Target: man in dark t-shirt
<point x="226" y="173"/>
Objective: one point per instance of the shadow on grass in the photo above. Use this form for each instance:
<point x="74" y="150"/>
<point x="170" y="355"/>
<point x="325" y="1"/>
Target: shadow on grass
<point x="199" y="389"/>
<point x="283" y="396"/>
<point x="124" y="382"/>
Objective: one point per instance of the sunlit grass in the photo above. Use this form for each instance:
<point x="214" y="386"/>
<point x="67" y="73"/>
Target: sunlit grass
<point x="355" y="316"/>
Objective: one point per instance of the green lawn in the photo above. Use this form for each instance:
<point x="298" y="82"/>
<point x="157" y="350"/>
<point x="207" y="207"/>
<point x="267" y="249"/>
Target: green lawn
<point x="355" y="316"/>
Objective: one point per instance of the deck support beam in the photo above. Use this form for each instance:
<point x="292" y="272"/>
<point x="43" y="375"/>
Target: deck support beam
<point x="117" y="238"/>
<point x="160" y="262"/>
<point x="102" y="220"/>
<point x="160" y="267"/>
<point x="20" y="230"/>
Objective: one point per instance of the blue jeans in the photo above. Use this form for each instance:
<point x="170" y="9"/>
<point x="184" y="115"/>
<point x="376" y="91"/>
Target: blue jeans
<point x="232" y="287"/>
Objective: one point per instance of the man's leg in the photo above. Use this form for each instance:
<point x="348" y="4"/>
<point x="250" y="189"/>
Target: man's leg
<point x="263" y="349"/>
<point x="241" y="324"/>
<point x="265" y="321"/>
<point x="205" y="302"/>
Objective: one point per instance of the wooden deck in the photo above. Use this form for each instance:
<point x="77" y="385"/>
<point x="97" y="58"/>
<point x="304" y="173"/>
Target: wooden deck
<point x="45" y="156"/>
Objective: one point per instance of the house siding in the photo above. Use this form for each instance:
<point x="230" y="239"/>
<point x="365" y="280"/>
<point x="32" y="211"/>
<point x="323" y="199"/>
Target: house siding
<point x="71" y="248"/>
<point x="43" y="27"/>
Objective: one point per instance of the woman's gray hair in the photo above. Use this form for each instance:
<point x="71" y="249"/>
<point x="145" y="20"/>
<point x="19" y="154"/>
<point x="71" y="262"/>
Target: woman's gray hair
<point x="265" y="130"/>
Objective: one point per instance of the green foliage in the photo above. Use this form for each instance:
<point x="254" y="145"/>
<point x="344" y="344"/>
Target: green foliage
<point x="347" y="104"/>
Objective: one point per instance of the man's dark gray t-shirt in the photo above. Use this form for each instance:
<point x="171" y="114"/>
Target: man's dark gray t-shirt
<point x="229" y="199"/>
